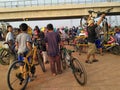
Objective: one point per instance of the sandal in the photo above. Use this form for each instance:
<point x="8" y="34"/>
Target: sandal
<point x="88" y="61"/>
<point x="94" y="60"/>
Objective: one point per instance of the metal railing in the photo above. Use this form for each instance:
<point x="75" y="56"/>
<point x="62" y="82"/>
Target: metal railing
<point x="24" y="3"/>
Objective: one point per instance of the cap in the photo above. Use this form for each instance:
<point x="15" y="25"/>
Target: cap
<point x="90" y="22"/>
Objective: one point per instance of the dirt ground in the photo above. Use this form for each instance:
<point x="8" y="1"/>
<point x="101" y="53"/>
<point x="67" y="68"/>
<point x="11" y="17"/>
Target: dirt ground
<point x="102" y="75"/>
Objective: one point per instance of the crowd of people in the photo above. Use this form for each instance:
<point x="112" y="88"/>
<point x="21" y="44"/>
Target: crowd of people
<point x="51" y="38"/>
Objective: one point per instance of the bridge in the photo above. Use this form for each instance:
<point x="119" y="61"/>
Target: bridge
<point x="54" y="11"/>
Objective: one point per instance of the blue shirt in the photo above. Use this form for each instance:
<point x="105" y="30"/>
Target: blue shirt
<point x="117" y="37"/>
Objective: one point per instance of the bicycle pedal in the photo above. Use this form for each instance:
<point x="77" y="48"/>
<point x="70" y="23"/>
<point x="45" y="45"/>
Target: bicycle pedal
<point x="21" y="81"/>
<point x="19" y="76"/>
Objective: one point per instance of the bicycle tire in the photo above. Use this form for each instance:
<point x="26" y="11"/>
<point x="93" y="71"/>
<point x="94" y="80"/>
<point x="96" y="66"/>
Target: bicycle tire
<point x="79" y="71"/>
<point x="40" y="61"/>
<point x="116" y="50"/>
<point x="14" y="72"/>
<point x="1" y="61"/>
<point x="63" y="61"/>
<point x="5" y="56"/>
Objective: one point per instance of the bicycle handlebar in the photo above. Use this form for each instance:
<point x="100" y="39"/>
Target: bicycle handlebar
<point x="100" y="12"/>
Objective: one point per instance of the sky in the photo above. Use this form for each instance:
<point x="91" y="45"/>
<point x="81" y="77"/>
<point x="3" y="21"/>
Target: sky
<point x="114" y="20"/>
<point x="56" y="23"/>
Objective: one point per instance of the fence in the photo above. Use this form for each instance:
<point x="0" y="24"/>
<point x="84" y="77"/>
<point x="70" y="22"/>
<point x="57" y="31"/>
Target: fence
<point x="24" y="3"/>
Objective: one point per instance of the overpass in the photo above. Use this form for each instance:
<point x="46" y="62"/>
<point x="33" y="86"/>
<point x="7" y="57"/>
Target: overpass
<point x="62" y="11"/>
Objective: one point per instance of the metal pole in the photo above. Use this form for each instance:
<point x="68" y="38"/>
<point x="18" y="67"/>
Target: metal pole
<point x="24" y="3"/>
<point x="57" y="1"/>
<point x="31" y="3"/>
<point x="37" y="3"/>
<point x="44" y="2"/>
<point x="5" y="4"/>
<point x="11" y="3"/>
<point x="17" y="4"/>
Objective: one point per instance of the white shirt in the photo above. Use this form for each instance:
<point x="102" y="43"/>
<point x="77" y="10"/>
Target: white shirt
<point x="9" y="36"/>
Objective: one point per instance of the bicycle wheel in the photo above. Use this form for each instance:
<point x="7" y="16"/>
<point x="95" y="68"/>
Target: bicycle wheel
<point x="40" y="61"/>
<point x="62" y="56"/>
<point x="5" y="57"/>
<point x="79" y="71"/>
<point x="17" y="76"/>
<point x="115" y="50"/>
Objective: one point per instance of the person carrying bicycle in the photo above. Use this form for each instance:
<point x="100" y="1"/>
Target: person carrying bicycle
<point x="92" y="37"/>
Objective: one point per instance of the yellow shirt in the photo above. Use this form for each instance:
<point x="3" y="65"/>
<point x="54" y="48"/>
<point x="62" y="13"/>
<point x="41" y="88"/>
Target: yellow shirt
<point x="29" y="31"/>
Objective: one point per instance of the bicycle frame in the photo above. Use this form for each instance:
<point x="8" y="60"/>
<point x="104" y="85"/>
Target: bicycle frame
<point x="28" y="64"/>
<point x="67" y="56"/>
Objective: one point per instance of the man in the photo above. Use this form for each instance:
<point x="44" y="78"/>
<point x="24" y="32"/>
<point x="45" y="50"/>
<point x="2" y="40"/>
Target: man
<point x="98" y="41"/>
<point x="23" y="45"/>
<point x="92" y="37"/>
<point x="23" y="41"/>
<point x="39" y="40"/>
<point x="10" y="36"/>
<point x="10" y="41"/>
<point x="117" y="34"/>
<point x="52" y="42"/>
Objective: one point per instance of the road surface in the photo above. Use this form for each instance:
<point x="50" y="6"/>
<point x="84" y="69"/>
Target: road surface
<point x="102" y="75"/>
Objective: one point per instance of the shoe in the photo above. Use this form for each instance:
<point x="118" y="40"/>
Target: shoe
<point x="20" y="77"/>
<point x="94" y="60"/>
<point x="88" y="61"/>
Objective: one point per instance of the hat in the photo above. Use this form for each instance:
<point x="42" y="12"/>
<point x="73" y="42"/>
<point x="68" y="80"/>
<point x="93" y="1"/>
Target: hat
<point x="90" y="22"/>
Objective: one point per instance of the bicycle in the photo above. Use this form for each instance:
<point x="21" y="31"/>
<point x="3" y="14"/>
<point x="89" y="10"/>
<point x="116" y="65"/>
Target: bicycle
<point x="77" y="67"/>
<point x="113" y="48"/>
<point x="7" y="54"/>
<point x="17" y="79"/>
<point x="105" y="22"/>
<point x="38" y="52"/>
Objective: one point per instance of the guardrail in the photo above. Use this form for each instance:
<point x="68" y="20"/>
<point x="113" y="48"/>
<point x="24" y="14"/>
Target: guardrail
<point x="24" y="3"/>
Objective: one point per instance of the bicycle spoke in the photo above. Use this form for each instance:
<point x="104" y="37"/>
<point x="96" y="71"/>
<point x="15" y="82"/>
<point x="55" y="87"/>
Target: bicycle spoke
<point x="16" y="79"/>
